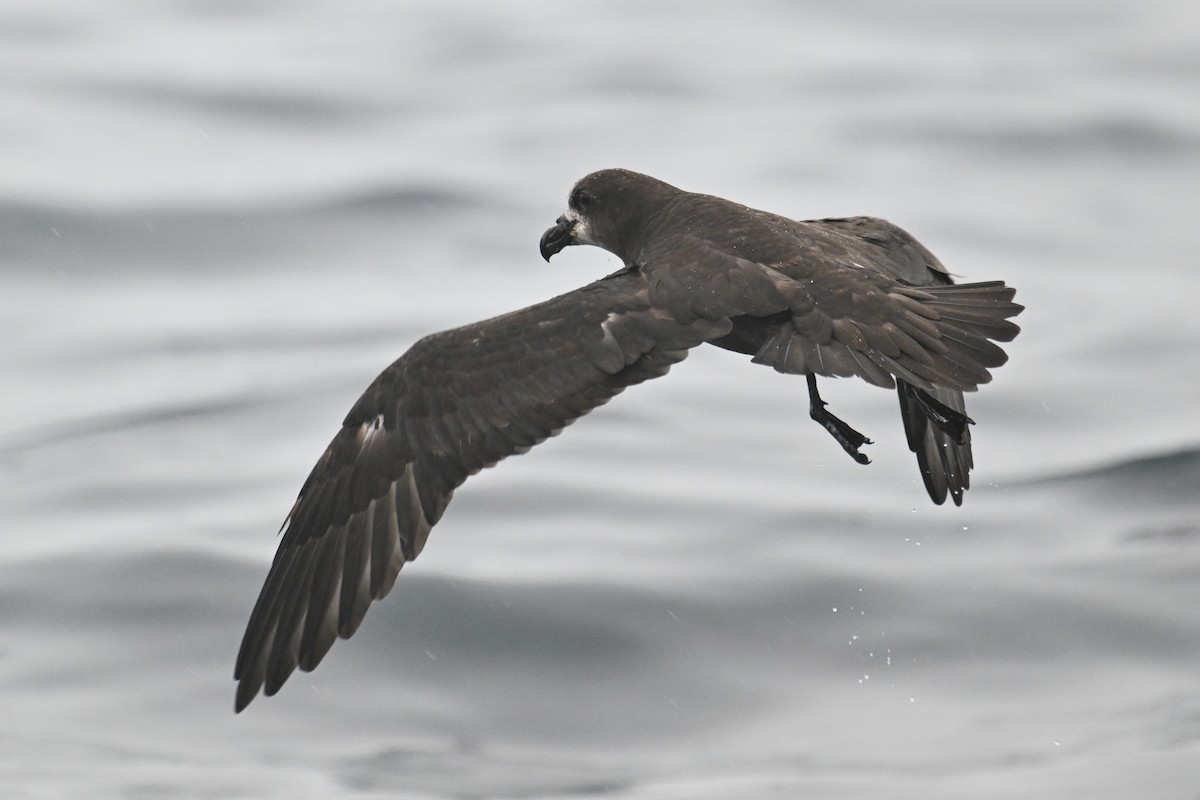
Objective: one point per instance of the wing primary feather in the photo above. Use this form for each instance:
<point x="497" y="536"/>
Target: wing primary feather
<point x="321" y="620"/>
<point x="355" y="567"/>
<point x="382" y="543"/>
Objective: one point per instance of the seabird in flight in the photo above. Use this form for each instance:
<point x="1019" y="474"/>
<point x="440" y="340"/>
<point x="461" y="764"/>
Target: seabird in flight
<point x="833" y="298"/>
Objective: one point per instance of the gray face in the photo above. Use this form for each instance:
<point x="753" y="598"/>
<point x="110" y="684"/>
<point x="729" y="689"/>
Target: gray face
<point x="572" y="227"/>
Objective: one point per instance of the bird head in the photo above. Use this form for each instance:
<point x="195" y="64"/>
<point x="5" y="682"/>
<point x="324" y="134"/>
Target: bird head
<point x="607" y="209"/>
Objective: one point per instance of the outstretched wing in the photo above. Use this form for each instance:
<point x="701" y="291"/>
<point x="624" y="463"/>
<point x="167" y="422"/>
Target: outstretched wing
<point x="456" y="402"/>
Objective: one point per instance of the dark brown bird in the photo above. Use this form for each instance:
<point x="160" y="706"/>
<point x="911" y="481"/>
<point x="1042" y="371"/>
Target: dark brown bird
<point x="833" y="297"/>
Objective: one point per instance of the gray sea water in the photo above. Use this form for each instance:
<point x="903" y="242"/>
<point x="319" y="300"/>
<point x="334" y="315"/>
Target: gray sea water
<point x="219" y="220"/>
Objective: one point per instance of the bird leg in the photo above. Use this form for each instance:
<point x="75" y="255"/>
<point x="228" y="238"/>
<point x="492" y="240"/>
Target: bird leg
<point x="847" y="437"/>
<point x="948" y="421"/>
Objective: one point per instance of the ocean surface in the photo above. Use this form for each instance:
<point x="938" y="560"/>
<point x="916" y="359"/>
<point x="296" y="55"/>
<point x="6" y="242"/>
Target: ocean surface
<point x="219" y="220"/>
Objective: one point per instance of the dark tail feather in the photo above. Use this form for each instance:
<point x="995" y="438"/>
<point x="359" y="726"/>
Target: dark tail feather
<point x="937" y="428"/>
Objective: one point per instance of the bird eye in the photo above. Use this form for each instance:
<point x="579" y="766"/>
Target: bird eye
<point x="583" y="200"/>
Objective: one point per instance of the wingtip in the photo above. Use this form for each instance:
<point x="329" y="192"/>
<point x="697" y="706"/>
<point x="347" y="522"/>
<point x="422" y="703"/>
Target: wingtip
<point x="246" y="692"/>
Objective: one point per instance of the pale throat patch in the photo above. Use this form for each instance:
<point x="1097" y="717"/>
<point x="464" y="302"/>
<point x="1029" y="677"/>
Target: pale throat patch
<point x="580" y="229"/>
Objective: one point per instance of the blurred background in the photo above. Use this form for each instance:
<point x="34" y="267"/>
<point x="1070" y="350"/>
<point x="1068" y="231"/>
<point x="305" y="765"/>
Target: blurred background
<point x="219" y="220"/>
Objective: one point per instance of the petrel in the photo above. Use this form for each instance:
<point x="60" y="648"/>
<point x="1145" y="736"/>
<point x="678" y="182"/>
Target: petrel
<point x="847" y="297"/>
